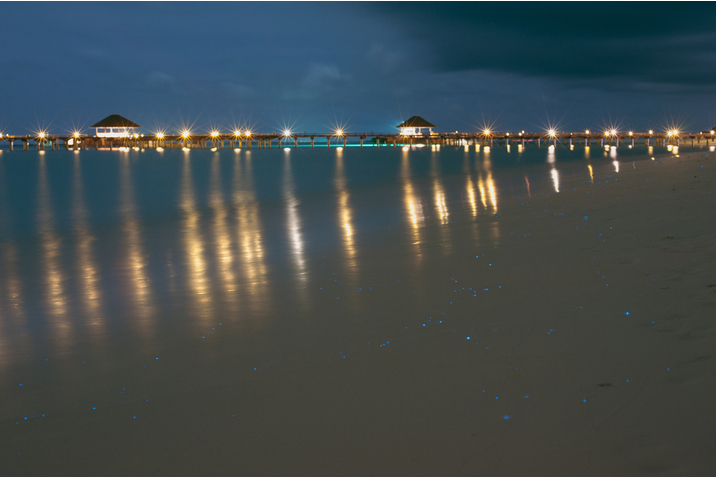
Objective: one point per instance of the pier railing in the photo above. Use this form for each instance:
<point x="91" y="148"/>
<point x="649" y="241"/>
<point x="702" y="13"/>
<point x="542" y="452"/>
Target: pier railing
<point x="373" y="139"/>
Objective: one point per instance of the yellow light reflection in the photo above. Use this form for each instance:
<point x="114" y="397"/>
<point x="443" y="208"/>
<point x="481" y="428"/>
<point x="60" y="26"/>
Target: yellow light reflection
<point x="493" y="192"/>
<point x="591" y="173"/>
<point x="414" y="207"/>
<point x="293" y="224"/>
<point x="194" y="249"/>
<point x="55" y="295"/>
<point x="481" y="188"/>
<point x="439" y="193"/>
<point x="555" y="179"/>
<point x="345" y="218"/>
<point x="222" y="237"/>
<point x="138" y="280"/>
<point x="250" y="234"/>
<point x="616" y="166"/>
<point x="91" y="291"/>
<point x="471" y="196"/>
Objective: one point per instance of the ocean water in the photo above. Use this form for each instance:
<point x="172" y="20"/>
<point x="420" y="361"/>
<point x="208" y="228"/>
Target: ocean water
<point x="142" y="276"/>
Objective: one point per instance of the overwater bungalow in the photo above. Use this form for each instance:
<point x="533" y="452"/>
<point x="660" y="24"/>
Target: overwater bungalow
<point x="415" y="126"/>
<point x="115" y="126"/>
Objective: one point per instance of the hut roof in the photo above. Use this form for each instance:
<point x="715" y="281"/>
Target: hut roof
<point x="415" y="122"/>
<point x="116" y="121"/>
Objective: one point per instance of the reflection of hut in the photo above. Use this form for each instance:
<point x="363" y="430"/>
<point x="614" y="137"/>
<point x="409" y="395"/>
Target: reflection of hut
<point x="115" y="126"/>
<point x="414" y="127"/>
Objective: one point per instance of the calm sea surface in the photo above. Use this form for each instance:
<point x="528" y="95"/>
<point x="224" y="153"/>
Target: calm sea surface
<point x="118" y="250"/>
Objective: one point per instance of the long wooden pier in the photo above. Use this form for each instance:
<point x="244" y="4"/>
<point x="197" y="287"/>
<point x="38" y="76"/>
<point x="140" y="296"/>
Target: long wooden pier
<point x="262" y="140"/>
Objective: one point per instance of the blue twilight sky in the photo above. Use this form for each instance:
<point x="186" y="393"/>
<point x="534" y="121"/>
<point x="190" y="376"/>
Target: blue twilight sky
<point x="367" y="65"/>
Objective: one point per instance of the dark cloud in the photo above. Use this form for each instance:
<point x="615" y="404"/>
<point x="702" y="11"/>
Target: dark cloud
<point x="672" y="43"/>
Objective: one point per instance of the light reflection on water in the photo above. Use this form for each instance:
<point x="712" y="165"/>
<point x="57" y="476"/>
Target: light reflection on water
<point x="293" y="227"/>
<point x="250" y="234"/>
<point x="222" y="237"/>
<point x="137" y="282"/>
<point x="86" y="263"/>
<point x="195" y="262"/>
<point x="55" y="298"/>
<point x="345" y="219"/>
<point x="414" y="207"/>
<point x="239" y="229"/>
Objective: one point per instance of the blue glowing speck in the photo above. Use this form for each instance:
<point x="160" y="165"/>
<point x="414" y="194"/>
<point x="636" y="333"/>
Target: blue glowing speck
<point x="584" y="400"/>
<point x="627" y="312"/>
<point x="505" y="417"/>
<point x="496" y="397"/>
<point x="134" y="417"/>
<point x="20" y="384"/>
<point x="423" y="324"/>
<point x="26" y="418"/>
<point x="527" y="396"/>
<point x="468" y="337"/>
<point x="94" y="408"/>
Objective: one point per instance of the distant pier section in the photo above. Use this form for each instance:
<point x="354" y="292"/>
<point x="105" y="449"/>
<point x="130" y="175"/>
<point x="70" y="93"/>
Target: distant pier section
<point x="117" y="132"/>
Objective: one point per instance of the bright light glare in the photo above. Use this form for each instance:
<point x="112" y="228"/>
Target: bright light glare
<point x="631" y="133"/>
<point x="586" y="132"/>
<point x="160" y="135"/>
<point x="214" y="133"/>
<point x="339" y="132"/>
<point x="286" y="133"/>
<point x="651" y="131"/>
<point x="613" y="132"/>
<point x="487" y="132"/>
<point x="552" y="132"/>
<point x="76" y="134"/>
<point x="237" y="133"/>
<point x="42" y="134"/>
<point x="185" y="134"/>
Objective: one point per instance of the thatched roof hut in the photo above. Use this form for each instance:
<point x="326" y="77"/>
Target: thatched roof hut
<point x="414" y="126"/>
<point x="115" y="126"/>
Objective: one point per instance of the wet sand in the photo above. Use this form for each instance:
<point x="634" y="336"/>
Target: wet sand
<point x="569" y="333"/>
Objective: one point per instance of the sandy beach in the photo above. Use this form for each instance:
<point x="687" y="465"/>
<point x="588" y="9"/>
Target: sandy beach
<point x="564" y="330"/>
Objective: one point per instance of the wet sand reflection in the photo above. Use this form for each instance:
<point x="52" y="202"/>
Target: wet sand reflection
<point x="138" y="278"/>
<point x="86" y="265"/>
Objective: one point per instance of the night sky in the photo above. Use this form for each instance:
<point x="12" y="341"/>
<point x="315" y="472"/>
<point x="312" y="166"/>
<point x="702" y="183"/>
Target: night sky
<point x="312" y="66"/>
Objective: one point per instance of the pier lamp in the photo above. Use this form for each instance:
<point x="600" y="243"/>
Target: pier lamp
<point x="214" y="133"/>
<point x="487" y="132"/>
<point x="237" y="133"/>
<point x="670" y="133"/>
<point x="586" y="132"/>
<point x="651" y="131"/>
<point x="613" y="132"/>
<point x="185" y="134"/>
<point x="160" y="135"/>
<point x="520" y="134"/>
<point x="507" y="134"/>
<point x="76" y="134"/>
<point x="339" y="132"/>
<point x="711" y="133"/>
<point x="631" y="133"/>
<point x="552" y="132"/>
<point x="248" y="133"/>
<point x="41" y="135"/>
<point x="286" y="133"/>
